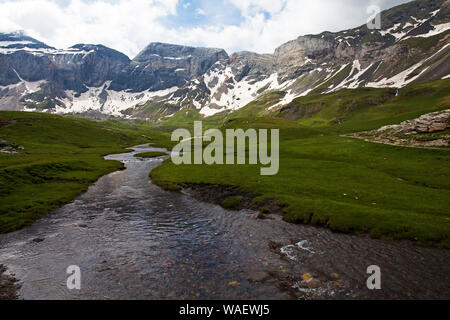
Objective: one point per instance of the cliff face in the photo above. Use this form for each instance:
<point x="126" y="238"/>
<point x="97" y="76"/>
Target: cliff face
<point x="36" y="76"/>
<point x="411" y="47"/>
<point x="161" y="66"/>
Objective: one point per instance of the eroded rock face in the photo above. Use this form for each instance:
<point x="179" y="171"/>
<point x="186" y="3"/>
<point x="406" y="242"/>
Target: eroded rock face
<point x="429" y="130"/>
<point x="160" y="66"/>
<point x="428" y="123"/>
<point x="257" y="66"/>
<point x="27" y="59"/>
<point x="157" y="67"/>
<point x="195" y="60"/>
<point x="298" y="52"/>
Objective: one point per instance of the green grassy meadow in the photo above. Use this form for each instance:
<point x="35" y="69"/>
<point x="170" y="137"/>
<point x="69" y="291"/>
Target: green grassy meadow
<point x="325" y="178"/>
<point x="60" y="159"/>
<point x="345" y="184"/>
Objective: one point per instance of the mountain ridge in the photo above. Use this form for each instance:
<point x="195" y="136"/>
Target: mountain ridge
<point x="411" y="47"/>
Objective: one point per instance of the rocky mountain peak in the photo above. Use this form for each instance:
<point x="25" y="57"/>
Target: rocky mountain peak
<point x="254" y="65"/>
<point x="187" y="61"/>
<point x="162" y="66"/>
<point x="166" y="50"/>
<point x="412" y="46"/>
<point x="19" y="40"/>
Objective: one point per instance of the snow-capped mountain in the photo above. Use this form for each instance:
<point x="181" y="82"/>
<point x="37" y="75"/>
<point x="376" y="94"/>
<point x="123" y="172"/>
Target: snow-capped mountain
<point x="411" y="47"/>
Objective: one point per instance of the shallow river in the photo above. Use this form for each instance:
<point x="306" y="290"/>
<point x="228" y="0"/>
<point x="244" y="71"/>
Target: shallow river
<point x="133" y="240"/>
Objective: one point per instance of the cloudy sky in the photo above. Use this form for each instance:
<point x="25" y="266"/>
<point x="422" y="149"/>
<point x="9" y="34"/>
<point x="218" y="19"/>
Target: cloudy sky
<point x="129" y="25"/>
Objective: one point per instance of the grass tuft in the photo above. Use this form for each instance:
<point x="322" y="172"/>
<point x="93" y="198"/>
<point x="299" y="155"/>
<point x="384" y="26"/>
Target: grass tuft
<point x="232" y="203"/>
<point x="150" y="155"/>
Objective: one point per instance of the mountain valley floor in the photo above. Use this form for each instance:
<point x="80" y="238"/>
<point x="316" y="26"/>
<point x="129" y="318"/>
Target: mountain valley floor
<point x="327" y="179"/>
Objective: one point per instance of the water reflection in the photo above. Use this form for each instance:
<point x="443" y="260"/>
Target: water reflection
<point x="133" y="240"/>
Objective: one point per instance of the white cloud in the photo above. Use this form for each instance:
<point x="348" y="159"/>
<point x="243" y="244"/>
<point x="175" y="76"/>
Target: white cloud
<point x="249" y="7"/>
<point x="200" y="11"/>
<point x="125" y="25"/>
<point x="129" y="25"/>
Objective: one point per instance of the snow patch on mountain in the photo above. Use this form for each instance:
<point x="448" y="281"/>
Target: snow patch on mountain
<point x="398" y="81"/>
<point x="393" y="32"/>
<point x="405" y="77"/>
<point x="228" y="94"/>
<point x="438" y="29"/>
<point x="45" y="51"/>
<point x="5" y="44"/>
<point x="107" y="101"/>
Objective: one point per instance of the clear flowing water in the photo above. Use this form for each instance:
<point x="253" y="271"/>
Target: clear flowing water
<point x="133" y="240"/>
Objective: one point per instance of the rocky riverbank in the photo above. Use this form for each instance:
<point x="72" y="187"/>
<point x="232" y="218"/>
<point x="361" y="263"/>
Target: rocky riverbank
<point x="232" y="197"/>
<point x="8" y="286"/>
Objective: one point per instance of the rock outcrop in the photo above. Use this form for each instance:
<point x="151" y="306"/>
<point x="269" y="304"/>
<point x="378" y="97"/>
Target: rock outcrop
<point x="429" y="130"/>
<point x="428" y="123"/>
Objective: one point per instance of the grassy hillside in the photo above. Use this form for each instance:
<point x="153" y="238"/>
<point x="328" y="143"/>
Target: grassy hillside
<point x="57" y="159"/>
<point x="361" y="109"/>
<point x="346" y="184"/>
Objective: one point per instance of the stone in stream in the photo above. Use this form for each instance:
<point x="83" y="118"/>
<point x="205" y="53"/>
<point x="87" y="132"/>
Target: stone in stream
<point x="314" y="283"/>
<point x="9" y="286"/>
<point x="335" y="276"/>
<point x="307" y="277"/>
<point x="234" y="284"/>
<point x="259" y="277"/>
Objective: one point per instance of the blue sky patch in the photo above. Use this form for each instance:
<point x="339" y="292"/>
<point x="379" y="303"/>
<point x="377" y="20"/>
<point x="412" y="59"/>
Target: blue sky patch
<point x="198" y="13"/>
